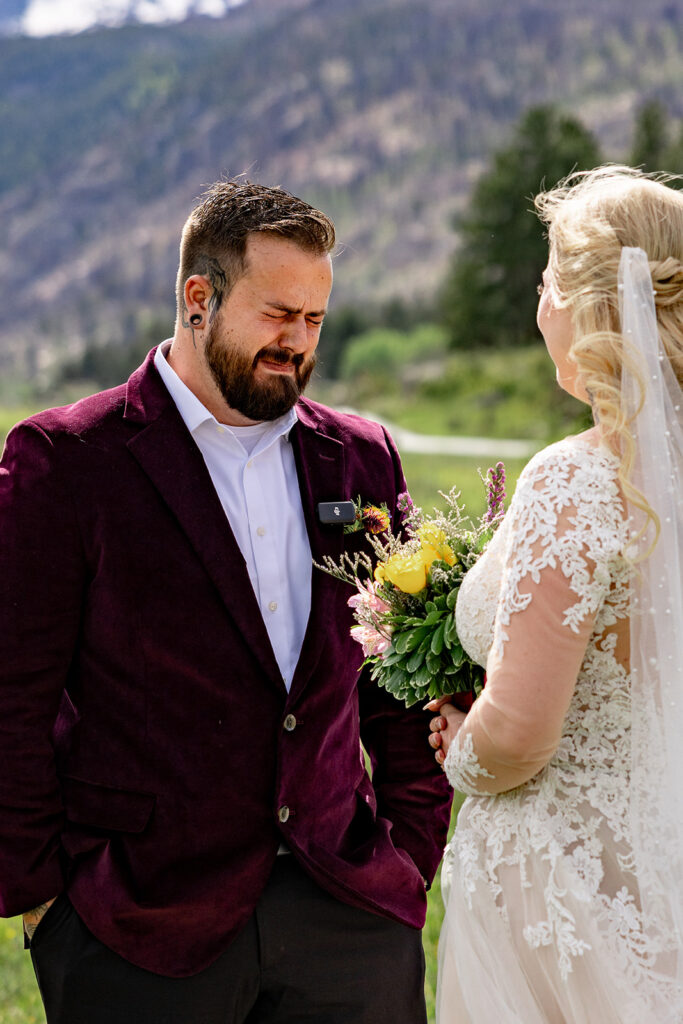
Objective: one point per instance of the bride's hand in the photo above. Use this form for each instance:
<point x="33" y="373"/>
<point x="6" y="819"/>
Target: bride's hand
<point x="444" y="728"/>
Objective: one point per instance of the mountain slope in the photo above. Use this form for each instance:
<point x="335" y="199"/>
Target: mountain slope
<point x="382" y="113"/>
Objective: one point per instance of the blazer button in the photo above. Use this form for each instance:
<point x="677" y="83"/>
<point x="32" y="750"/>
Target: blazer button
<point x="283" y="813"/>
<point x="290" y="723"/>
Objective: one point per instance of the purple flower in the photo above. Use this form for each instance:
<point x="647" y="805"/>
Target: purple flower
<point x="495" y="488"/>
<point x="404" y="503"/>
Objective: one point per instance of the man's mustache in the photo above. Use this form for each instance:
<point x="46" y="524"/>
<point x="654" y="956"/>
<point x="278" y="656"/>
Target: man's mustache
<point x="278" y="355"/>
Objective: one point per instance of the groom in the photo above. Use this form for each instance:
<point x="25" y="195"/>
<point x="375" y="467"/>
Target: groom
<point x="186" y="819"/>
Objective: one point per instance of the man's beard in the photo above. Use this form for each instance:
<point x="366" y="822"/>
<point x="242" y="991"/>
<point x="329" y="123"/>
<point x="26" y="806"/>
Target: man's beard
<point x="235" y="375"/>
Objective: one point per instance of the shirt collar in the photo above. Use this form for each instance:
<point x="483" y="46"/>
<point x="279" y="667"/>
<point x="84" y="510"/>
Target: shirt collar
<point x="194" y="413"/>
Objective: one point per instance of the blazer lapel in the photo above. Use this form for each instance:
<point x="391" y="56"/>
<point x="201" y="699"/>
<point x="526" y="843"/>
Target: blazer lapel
<point x="320" y="468"/>
<point x="170" y="458"/>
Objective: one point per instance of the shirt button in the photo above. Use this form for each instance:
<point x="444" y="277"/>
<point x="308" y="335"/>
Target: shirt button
<point x="273" y="606"/>
<point x="290" y="723"/>
<point x="261" y="530"/>
<point x="283" y="813"/>
<point x="250" y="464"/>
<point x="220" y="429"/>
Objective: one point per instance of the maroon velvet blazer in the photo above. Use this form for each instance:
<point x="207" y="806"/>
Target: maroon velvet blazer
<point x="150" y="761"/>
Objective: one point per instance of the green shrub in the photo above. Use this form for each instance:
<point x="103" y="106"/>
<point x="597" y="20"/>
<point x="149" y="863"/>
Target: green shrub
<point x="383" y="351"/>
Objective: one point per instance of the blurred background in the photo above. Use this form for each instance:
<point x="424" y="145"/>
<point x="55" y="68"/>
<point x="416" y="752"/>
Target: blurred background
<point x="423" y="127"/>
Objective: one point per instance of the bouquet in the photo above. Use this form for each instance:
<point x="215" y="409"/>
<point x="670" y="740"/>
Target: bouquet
<point x="405" y="597"/>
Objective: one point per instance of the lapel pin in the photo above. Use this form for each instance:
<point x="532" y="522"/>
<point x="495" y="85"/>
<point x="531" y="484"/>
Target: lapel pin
<point x="341" y="512"/>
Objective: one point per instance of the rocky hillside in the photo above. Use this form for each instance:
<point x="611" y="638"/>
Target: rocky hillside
<point x="383" y="112"/>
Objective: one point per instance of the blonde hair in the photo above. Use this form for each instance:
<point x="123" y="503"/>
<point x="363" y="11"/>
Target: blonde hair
<point x="591" y="216"/>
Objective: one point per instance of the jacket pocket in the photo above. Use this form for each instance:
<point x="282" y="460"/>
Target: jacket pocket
<point x="106" y="807"/>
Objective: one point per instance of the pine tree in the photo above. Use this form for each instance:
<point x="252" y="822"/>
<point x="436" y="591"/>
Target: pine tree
<point x="650" y="137"/>
<point x="489" y="297"/>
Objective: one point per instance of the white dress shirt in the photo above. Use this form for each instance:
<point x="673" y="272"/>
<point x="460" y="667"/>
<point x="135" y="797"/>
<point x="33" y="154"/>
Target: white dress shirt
<point x="254" y="473"/>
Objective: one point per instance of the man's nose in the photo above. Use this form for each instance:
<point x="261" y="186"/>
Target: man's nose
<point x="295" y="337"/>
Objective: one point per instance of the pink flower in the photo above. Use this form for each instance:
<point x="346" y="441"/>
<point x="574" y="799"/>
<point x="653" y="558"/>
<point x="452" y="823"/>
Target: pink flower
<point x="368" y="608"/>
<point x="372" y="642"/>
<point x="366" y="603"/>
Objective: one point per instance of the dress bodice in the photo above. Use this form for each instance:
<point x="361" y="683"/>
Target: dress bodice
<point x="475" y="611"/>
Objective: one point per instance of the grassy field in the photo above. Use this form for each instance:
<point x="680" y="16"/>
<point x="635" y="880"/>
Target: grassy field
<point x="10" y="416"/>
<point x="19" y="999"/>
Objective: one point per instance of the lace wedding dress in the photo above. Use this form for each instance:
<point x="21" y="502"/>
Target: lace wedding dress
<point x="544" y="923"/>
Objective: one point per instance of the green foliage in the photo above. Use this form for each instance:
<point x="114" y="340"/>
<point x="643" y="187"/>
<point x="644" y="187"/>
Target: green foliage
<point x="506" y="393"/>
<point x="425" y="659"/>
<point x="346" y="323"/>
<point x="339" y="327"/>
<point x="650" y="137"/>
<point x="383" y="351"/>
<point x="674" y="157"/>
<point x="105" y="366"/>
<point x="656" y="146"/>
<point x="19" y="998"/>
<point x="489" y="297"/>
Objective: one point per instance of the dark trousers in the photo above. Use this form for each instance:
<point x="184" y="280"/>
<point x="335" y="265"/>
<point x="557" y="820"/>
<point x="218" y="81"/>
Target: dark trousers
<point x="303" y="956"/>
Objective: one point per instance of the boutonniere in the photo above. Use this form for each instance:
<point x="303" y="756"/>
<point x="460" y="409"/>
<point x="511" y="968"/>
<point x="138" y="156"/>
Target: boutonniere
<point x="370" y="518"/>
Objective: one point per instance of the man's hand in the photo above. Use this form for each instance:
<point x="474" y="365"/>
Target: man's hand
<point x="444" y="728"/>
<point x="33" y="918"/>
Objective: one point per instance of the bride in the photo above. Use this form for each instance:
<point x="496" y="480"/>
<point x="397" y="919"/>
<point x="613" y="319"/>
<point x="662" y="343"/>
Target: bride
<point x="563" y="881"/>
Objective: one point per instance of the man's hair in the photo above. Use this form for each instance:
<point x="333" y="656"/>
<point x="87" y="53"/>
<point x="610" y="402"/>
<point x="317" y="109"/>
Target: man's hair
<point x="214" y="239"/>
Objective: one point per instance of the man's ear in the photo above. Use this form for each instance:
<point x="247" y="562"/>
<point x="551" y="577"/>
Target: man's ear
<point x="197" y="293"/>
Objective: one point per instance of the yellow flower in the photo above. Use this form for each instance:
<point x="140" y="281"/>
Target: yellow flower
<point x="435" y="545"/>
<point x="379" y="572"/>
<point x="407" y="572"/>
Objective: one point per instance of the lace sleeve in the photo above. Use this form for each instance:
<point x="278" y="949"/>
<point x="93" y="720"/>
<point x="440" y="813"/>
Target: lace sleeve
<point x="565" y="535"/>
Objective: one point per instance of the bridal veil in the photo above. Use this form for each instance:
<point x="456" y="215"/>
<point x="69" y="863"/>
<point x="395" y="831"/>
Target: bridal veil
<point x="653" y="402"/>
